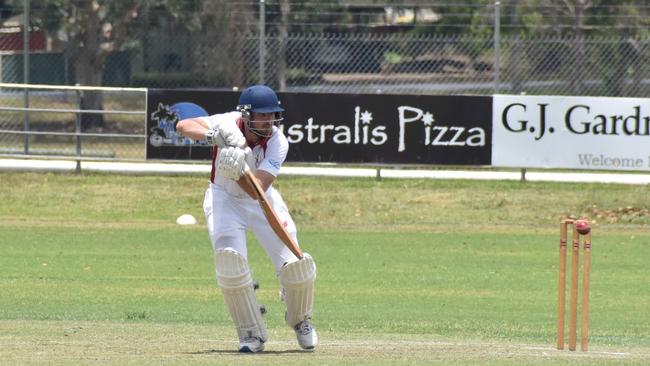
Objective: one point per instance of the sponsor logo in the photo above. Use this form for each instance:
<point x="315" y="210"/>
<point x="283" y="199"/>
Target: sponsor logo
<point x="438" y="135"/>
<point x="165" y="118"/>
<point x="274" y="163"/>
<point x="366" y="131"/>
<point x="578" y="119"/>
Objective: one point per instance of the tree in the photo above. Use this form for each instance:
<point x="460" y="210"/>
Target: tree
<point x="575" y="23"/>
<point x="573" y="10"/>
<point x="87" y="31"/>
<point x="627" y="19"/>
<point x="219" y="30"/>
<point x="285" y="16"/>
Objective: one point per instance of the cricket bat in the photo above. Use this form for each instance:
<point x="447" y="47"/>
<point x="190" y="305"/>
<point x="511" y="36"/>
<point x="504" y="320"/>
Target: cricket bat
<point x="270" y="214"/>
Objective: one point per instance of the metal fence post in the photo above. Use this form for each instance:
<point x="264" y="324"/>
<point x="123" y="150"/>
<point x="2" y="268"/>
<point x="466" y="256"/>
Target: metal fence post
<point x="77" y="129"/>
<point x="497" y="46"/>
<point x="26" y="73"/>
<point x="262" y="48"/>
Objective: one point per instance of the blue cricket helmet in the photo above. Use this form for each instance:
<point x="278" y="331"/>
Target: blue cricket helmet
<point x="259" y="99"/>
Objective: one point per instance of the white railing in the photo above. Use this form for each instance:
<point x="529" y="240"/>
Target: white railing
<point x="12" y="124"/>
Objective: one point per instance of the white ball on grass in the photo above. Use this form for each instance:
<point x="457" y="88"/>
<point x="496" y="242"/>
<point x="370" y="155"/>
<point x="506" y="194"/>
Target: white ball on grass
<point x="186" y="219"/>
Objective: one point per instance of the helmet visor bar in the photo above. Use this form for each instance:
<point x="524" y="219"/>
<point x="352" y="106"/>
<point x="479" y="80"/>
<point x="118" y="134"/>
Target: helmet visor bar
<point x="264" y="132"/>
<point x="276" y="121"/>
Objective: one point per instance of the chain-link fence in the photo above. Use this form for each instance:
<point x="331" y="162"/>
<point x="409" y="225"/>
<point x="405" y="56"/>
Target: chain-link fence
<point x="340" y="62"/>
<point x="371" y="63"/>
<point x="430" y="64"/>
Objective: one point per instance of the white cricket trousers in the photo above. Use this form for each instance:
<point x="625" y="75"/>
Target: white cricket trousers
<point x="229" y="216"/>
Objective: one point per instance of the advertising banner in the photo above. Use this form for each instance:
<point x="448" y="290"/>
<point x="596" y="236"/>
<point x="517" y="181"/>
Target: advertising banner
<point x="342" y="128"/>
<point x="601" y="133"/>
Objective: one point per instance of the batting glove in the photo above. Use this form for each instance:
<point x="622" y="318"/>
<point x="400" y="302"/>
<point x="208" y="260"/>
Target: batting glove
<point x="225" y="135"/>
<point x="232" y="162"/>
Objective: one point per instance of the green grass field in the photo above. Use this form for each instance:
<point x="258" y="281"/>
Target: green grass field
<point x="95" y="271"/>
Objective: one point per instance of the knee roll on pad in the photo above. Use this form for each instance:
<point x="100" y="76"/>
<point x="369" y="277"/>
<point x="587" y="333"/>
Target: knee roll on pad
<point x="297" y="279"/>
<point x="235" y="281"/>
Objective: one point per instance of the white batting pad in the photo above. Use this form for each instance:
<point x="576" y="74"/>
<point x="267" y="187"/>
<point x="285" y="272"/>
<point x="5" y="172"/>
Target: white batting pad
<point x="297" y="279"/>
<point x="236" y="284"/>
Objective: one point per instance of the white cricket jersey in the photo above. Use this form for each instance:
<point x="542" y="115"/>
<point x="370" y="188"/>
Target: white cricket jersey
<point x="269" y="152"/>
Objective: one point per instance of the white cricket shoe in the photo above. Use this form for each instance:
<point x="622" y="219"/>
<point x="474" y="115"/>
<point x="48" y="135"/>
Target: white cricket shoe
<point x="251" y="345"/>
<point x="306" y="334"/>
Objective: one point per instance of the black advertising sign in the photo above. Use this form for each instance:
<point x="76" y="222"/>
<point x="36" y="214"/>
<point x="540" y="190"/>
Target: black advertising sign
<point x="344" y="128"/>
<point x="389" y="128"/>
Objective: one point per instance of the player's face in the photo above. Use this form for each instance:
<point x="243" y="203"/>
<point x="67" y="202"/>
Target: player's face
<point x="263" y="122"/>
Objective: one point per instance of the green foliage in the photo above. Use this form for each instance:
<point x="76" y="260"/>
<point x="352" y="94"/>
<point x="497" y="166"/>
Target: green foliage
<point x="392" y="57"/>
<point x="300" y="76"/>
<point x="70" y="18"/>
<point x="461" y="12"/>
<point x="307" y="16"/>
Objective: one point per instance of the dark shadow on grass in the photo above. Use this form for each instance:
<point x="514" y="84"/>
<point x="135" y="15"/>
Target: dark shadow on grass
<point x="230" y="351"/>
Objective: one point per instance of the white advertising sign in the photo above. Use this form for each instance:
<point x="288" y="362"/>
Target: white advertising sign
<point x="601" y="133"/>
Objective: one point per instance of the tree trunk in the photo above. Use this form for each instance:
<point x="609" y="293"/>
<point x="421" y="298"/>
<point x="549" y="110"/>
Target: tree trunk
<point x="93" y="47"/>
<point x="89" y="74"/>
<point x="89" y="67"/>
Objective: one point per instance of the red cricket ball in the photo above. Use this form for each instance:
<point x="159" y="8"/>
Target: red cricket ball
<point x="583" y="227"/>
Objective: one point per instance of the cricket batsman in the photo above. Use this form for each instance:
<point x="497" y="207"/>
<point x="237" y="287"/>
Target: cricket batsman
<point x="249" y="138"/>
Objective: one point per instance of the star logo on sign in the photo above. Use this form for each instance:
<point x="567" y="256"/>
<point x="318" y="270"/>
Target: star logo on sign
<point x="366" y="117"/>
<point x="428" y="119"/>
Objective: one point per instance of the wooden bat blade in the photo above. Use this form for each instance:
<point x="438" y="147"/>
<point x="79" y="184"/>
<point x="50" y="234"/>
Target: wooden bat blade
<point x="271" y="215"/>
